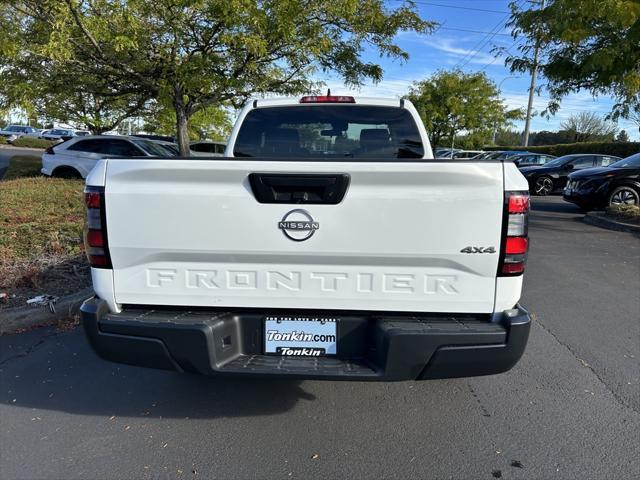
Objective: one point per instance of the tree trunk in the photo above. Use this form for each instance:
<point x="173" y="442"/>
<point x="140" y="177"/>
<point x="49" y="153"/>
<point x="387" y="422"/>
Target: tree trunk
<point x="182" y="132"/>
<point x="182" y="121"/>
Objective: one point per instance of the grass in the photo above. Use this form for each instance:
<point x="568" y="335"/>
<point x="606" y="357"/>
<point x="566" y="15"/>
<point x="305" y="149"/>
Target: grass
<point x="3" y="141"/>
<point x="40" y="217"/>
<point x="32" y="142"/>
<point x="625" y="213"/>
<point x="23" y="166"/>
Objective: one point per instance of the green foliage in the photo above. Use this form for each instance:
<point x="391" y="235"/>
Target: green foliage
<point x="200" y="53"/>
<point x="624" y="213"/>
<point x="3" y="141"/>
<point x="621" y="150"/>
<point x="623" y="137"/>
<point x="508" y="137"/>
<point x="585" y="44"/>
<point x="545" y="137"/>
<point x="451" y="101"/>
<point x="32" y="142"/>
<point x="81" y="102"/>
<point x="212" y="122"/>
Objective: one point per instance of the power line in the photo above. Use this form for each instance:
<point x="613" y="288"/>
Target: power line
<point x="472" y="31"/>
<point x="460" y="7"/>
<point x="481" y="44"/>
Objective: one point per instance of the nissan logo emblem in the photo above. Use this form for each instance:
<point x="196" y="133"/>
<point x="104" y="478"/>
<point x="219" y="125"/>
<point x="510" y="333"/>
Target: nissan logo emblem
<point x="298" y="225"/>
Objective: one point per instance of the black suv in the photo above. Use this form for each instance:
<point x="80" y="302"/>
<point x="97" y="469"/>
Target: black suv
<point x="617" y="184"/>
<point x="553" y="175"/>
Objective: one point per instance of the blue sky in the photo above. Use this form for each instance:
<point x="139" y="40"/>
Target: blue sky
<point x="454" y="45"/>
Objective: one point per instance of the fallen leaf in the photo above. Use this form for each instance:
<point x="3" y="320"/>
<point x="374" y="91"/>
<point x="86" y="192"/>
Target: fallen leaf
<point x="314" y="456"/>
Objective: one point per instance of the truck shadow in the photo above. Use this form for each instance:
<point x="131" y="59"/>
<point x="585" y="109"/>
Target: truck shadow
<point x="58" y="371"/>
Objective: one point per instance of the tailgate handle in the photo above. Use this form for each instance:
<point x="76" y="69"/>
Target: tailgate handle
<point x="298" y="188"/>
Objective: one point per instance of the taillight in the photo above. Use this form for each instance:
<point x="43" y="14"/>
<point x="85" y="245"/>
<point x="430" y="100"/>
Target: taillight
<point x="327" y="99"/>
<point x="95" y="239"/>
<point x="515" y="243"/>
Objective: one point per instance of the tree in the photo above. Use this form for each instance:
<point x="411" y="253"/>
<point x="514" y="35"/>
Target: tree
<point x="634" y="116"/>
<point x="508" y="137"/>
<point x="99" y="113"/>
<point x="201" y="53"/>
<point x="585" y="44"/>
<point x="453" y="101"/>
<point x="545" y="137"/>
<point x="48" y="89"/>
<point x="623" y="137"/>
<point x="212" y="122"/>
<point x="589" y="127"/>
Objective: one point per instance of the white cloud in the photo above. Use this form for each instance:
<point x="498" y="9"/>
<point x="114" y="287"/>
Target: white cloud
<point x="458" y="53"/>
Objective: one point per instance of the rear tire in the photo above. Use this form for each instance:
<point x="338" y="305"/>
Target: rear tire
<point x="66" y="172"/>
<point x="624" y="195"/>
<point x="543" y="186"/>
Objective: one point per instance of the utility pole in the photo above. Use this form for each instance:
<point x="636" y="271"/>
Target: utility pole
<point x="532" y="86"/>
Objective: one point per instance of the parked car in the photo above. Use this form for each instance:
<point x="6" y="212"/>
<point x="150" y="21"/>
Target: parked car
<point x="309" y="268"/>
<point x="172" y="148"/>
<point x="207" y="148"/>
<point x="499" y="155"/>
<point x="617" y="184"/>
<point x="41" y="133"/>
<point x="12" y="132"/>
<point x="76" y="157"/>
<point x="467" y="154"/>
<point x="547" y="178"/>
<point x="482" y="156"/>
<point x="58" y="134"/>
<point x="148" y="136"/>
<point x="445" y="152"/>
<point x="81" y="133"/>
<point x="531" y="159"/>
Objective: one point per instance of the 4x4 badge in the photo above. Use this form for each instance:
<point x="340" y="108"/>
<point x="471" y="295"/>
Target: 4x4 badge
<point x="478" y="250"/>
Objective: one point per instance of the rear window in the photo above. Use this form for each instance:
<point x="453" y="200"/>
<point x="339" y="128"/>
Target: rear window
<point x="152" y="148"/>
<point x="329" y="131"/>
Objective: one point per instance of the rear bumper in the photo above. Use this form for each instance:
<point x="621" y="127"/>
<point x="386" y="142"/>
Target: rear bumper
<point x="586" y="200"/>
<point x="370" y="346"/>
<point x="581" y="200"/>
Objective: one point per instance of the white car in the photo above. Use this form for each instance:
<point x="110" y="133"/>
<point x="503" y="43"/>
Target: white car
<point x="76" y="157"/>
<point x="328" y="231"/>
<point x="58" y="134"/>
<point x="13" y="132"/>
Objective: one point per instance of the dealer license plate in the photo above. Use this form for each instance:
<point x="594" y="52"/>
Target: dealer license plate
<point x="300" y="336"/>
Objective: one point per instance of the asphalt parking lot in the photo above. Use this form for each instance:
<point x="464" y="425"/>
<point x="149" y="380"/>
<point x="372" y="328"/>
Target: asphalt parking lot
<point x="569" y="409"/>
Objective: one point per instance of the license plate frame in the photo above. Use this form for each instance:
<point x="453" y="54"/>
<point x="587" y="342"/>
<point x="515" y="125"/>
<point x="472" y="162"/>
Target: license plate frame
<point x="300" y="336"/>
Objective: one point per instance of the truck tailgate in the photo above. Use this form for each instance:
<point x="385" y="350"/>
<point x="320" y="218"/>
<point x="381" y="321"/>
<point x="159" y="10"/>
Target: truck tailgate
<point x="191" y="232"/>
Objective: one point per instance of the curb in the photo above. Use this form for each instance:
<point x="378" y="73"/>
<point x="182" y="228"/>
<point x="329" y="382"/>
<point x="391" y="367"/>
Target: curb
<point x="599" y="220"/>
<point x="14" y="319"/>
<point x="12" y="147"/>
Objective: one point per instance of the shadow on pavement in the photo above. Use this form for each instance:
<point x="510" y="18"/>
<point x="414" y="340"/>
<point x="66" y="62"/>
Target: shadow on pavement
<point x="554" y="203"/>
<point x="60" y="372"/>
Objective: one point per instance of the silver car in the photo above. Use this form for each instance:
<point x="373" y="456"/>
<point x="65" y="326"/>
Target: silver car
<point x="12" y="132"/>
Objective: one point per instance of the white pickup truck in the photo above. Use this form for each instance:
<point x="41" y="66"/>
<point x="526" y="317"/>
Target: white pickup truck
<point x="327" y="243"/>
